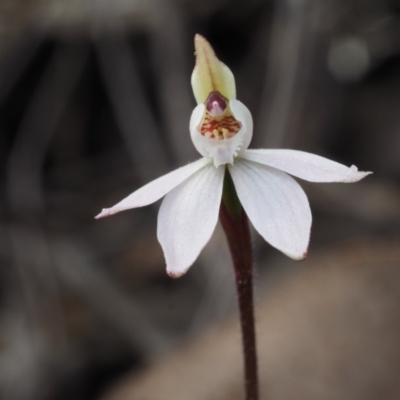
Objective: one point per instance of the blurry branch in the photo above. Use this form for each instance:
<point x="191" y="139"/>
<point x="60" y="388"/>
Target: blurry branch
<point x="26" y="160"/>
<point x="21" y="361"/>
<point x="34" y="345"/>
<point x="38" y="285"/>
<point x="47" y="106"/>
<point x="173" y="78"/>
<point x="219" y="297"/>
<point x="131" y="109"/>
<point x="377" y="202"/>
<point x="287" y="40"/>
<point x="84" y="276"/>
<point x="19" y="55"/>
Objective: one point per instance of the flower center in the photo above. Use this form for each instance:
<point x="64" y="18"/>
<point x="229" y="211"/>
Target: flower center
<point x="218" y="122"/>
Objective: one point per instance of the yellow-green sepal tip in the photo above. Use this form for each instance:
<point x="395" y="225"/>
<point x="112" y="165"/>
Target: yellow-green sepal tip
<point x="209" y="73"/>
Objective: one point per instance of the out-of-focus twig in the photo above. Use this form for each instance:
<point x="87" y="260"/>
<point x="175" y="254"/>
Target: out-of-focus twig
<point x="282" y="73"/>
<point x="216" y="275"/>
<point x="20" y="53"/>
<point x="84" y="275"/>
<point x="173" y="78"/>
<point x="37" y="127"/>
<point x="80" y="274"/>
<point x="134" y="117"/>
<point x="24" y="190"/>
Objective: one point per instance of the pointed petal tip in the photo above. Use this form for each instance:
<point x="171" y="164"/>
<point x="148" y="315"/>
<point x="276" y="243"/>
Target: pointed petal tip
<point x="355" y="175"/>
<point x="202" y="47"/>
<point x="298" y="256"/>
<point x="210" y="74"/>
<point x="202" y="44"/>
<point x="199" y="38"/>
<point x="304" y="256"/>
<point x="176" y="274"/>
<point x="106" y="212"/>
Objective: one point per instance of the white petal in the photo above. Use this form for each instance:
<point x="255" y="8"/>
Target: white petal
<point x="196" y="118"/>
<point x="223" y="151"/>
<point x="156" y="189"/>
<point x="307" y="166"/>
<point x="187" y="218"/>
<point x="276" y="205"/>
<point x="243" y="115"/>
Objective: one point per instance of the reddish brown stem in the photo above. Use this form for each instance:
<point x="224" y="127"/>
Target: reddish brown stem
<point x="236" y="225"/>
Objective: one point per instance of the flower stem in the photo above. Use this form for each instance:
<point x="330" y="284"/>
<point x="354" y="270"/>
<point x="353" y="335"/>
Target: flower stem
<point x="236" y="225"/>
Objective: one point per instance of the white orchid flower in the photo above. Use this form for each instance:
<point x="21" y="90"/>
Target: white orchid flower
<point x="221" y="129"/>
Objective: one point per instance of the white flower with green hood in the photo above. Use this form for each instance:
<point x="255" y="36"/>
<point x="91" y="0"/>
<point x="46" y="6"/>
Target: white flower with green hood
<point x="221" y="129"/>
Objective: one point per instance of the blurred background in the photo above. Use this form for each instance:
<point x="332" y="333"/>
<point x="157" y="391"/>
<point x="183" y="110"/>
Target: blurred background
<point x="95" y="100"/>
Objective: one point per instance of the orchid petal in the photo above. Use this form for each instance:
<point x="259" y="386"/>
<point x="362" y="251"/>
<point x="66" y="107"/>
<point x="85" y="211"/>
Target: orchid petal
<point x="307" y="166"/>
<point x="210" y="74"/>
<point x="275" y="204"/>
<point x="156" y="189"/>
<point x="187" y="218"/>
<point x="196" y="117"/>
<point x="243" y="115"/>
